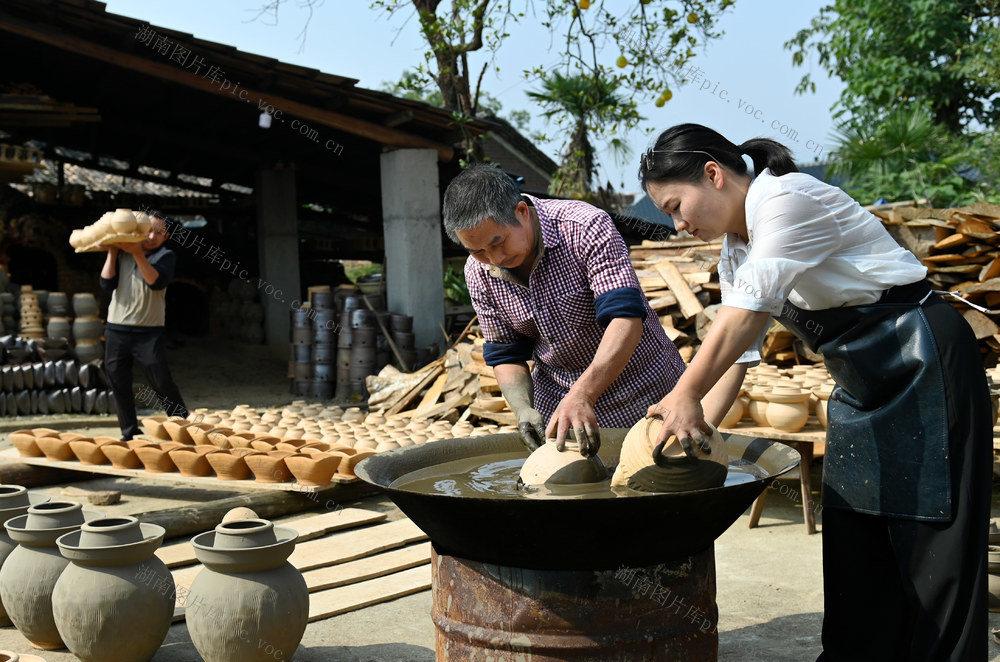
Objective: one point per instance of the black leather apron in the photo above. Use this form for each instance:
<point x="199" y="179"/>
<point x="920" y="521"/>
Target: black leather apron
<point x="887" y="433"/>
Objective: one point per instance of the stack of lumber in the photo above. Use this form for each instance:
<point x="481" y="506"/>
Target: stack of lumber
<point x="458" y="387"/>
<point x="961" y="249"/>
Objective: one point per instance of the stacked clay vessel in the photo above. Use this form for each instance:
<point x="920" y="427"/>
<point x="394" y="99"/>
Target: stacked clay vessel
<point x="14" y="502"/>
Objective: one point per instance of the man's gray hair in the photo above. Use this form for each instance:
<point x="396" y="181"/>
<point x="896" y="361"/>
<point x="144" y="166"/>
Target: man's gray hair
<point x="478" y="193"/>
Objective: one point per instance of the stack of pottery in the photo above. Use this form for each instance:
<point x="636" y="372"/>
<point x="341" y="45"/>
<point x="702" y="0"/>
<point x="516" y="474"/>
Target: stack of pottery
<point x="326" y="333"/>
<point x="402" y="335"/>
<point x="671" y="470"/>
<point x="115" y="600"/>
<point x="31" y="314"/>
<point x="801" y="390"/>
<point x="29" y="576"/>
<point x="88" y="329"/>
<point x="59" y="324"/>
<point x="300" y="350"/>
<point x="53" y="387"/>
<point x="252" y="605"/>
<point x="119" y="226"/>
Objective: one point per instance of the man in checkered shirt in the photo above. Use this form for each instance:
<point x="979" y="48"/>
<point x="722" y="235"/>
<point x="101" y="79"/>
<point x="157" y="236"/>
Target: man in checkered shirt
<point x="551" y="281"/>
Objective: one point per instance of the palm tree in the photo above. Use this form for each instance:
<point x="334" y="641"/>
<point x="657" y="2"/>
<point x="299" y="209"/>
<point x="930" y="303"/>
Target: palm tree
<point x="592" y="104"/>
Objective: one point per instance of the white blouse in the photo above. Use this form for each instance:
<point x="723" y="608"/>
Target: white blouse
<point x="812" y="244"/>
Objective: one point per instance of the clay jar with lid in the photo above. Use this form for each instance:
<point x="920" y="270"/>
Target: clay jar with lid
<point x="115" y="600"/>
<point x="14" y="502"/>
<point x="252" y="605"/>
<point x="29" y="576"/>
<point x="758" y="404"/>
<point x="787" y="408"/>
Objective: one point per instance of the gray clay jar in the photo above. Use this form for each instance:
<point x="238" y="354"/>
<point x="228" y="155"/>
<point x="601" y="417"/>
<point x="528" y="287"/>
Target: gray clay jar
<point x="29" y="576"/>
<point x="248" y="604"/>
<point x="115" y="600"/>
<point x="14" y="501"/>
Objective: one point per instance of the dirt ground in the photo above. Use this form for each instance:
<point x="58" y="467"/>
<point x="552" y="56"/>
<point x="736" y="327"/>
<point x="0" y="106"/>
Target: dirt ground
<point x="770" y="591"/>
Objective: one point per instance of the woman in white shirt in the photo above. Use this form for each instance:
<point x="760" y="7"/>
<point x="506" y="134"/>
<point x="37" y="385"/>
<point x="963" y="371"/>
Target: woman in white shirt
<point x="907" y="471"/>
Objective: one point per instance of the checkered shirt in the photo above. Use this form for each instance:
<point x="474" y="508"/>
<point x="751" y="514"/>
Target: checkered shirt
<point x="583" y="257"/>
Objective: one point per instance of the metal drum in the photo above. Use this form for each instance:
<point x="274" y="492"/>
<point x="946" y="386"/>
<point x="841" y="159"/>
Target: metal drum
<point x="662" y="612"/>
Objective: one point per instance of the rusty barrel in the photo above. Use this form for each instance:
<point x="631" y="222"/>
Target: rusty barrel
<point x="665" y="612"/>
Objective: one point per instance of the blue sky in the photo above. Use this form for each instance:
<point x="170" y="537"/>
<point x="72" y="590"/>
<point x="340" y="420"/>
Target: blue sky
<point x="744" y="84"/>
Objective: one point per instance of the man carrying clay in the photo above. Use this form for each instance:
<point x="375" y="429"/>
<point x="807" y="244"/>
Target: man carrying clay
<point x="551" y="281"/>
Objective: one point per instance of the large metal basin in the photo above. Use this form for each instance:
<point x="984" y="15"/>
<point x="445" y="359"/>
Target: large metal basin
<point x="572" y="534"/>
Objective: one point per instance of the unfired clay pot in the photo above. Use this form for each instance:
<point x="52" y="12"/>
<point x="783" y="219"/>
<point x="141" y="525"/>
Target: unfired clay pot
<point x="55" y="449"/>
<point x="346" y="467"/>
<point x="822" y="394"/>
<point x="788" y="408"/>
<point x="758" y="405"/>
<point x="190" y="462"/>
<point x="268" y="468"/>
<point x="252" y="604"/>
<point x="121" y="455"/>
<point x="14" y="502"/>
<point x="229" y="465"/>
<point x="568" y="467"/>
<point x="115" y="600"/>
<point x="672" y="470"/>
<point x="314" y="470"/>
<point x="26" y="444"/>
<point x="156" y="459"/>
<point x="89" y="452"/>
<point x="29" y="576"/>
<point x="734" y="415"/>
<point x="153" y="426"/>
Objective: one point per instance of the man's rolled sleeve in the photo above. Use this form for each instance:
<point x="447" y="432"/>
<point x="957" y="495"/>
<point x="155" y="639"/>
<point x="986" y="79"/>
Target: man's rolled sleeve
<point x="620" y="302"/>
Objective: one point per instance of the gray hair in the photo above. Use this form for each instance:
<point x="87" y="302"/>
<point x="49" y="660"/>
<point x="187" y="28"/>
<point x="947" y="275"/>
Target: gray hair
<point x="478" y="193"/>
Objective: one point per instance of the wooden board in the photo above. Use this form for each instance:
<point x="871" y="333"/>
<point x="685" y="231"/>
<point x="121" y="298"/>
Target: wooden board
<point x="688" y="302"/>
<point x="207" y="482"/>
<point x="308" y="528"/>
<point x="432" y="395"/>
<point x="355" y="544"/>
<point x="334" y="601"/>
<point x="367" y="568"/>
<point x="812" y="432"/>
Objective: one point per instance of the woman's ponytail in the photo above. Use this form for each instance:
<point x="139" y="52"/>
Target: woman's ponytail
<point x="767" y="153"/>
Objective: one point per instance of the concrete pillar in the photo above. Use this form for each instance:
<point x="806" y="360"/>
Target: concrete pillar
<point x="278" y="249"/>
<point x="411" y="220"/>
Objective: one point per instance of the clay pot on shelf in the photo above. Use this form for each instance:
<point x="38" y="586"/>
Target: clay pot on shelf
<point x="29" y="575"/>
<point x="191" y="462"/>
<point x="142" y="222"/>
<point x="268" y="468"/>
<point x="758" y="405"/>
<point x="788" y="408"/>
<point x="734" y="415"/>
<point x="176" y="427"/>
<point x="346" y="468"/>
<point x="671" y="470"/>
<point x="547" y="465"/>
<point x="55" y="449"/>
<point x="229" y="465"/>
<point x="248" y="593"/>
<point x="156" y="459"/>
<point x="26" y="444"/>
<point x="822" y="395"/>
<point x="88" y="451"/>
<point x="115" y="600"/>
<point x="14" y="502"/>
<point x="314" y="470"/>
<point x="121" y="455"/>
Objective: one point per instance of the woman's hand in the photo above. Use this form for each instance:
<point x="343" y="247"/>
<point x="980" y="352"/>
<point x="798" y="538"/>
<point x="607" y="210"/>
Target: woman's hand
<point x="577" y="412"/>
<point x="682" y="416"/>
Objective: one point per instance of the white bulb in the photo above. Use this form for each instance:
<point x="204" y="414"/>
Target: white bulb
<point x="265" y="121"/>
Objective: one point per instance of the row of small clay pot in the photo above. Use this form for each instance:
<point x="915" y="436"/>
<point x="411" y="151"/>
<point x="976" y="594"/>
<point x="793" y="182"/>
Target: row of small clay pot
<point x="310" y="465"/>
<point x="781" y="399"/>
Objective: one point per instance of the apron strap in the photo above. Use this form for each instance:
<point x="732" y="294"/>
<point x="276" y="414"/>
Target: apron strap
<point x="965" y="301"/>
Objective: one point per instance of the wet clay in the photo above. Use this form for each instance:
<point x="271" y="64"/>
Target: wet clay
<point x="495" y="476"/>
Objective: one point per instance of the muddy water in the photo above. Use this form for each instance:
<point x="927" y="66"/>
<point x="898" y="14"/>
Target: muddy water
<point x="495" y="476"/>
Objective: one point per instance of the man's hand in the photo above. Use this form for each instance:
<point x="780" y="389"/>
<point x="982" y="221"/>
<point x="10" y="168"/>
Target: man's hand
<point x="682" y="416"/>
<point x="530" y="425"/>
<point x="129" y="247"/>
<point x="576" y="412"/>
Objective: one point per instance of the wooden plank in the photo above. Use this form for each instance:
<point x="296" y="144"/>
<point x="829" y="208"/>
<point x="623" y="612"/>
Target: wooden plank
<point x="433" y="393"/>
<point x="688" y="302"/>
<point x="436" y="368"/>
<point x="370" y="567"/>
<point x="813" y="431"/>
<point x="981" y="325"/>
<point x="479" y="369"/>
<point x="355" y="544"/>
<point x="991" y="270"/>
<point x="334" y="601"/>
<point x="951" y="241"/>
<point x="501" y="417"/>
<point x="179" y="554"/>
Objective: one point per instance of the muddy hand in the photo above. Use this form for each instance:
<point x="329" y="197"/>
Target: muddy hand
<point x="685" y="419"/>
<point x="531" y="427"/>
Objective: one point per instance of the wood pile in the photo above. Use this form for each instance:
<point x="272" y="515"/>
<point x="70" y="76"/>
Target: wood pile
<point x="458" y="387"/>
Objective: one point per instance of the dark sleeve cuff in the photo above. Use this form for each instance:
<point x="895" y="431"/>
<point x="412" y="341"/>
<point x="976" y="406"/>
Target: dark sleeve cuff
<point x="620" y="302"/>
<point x="515" y="352"/>
<point x="109" y="283"/>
